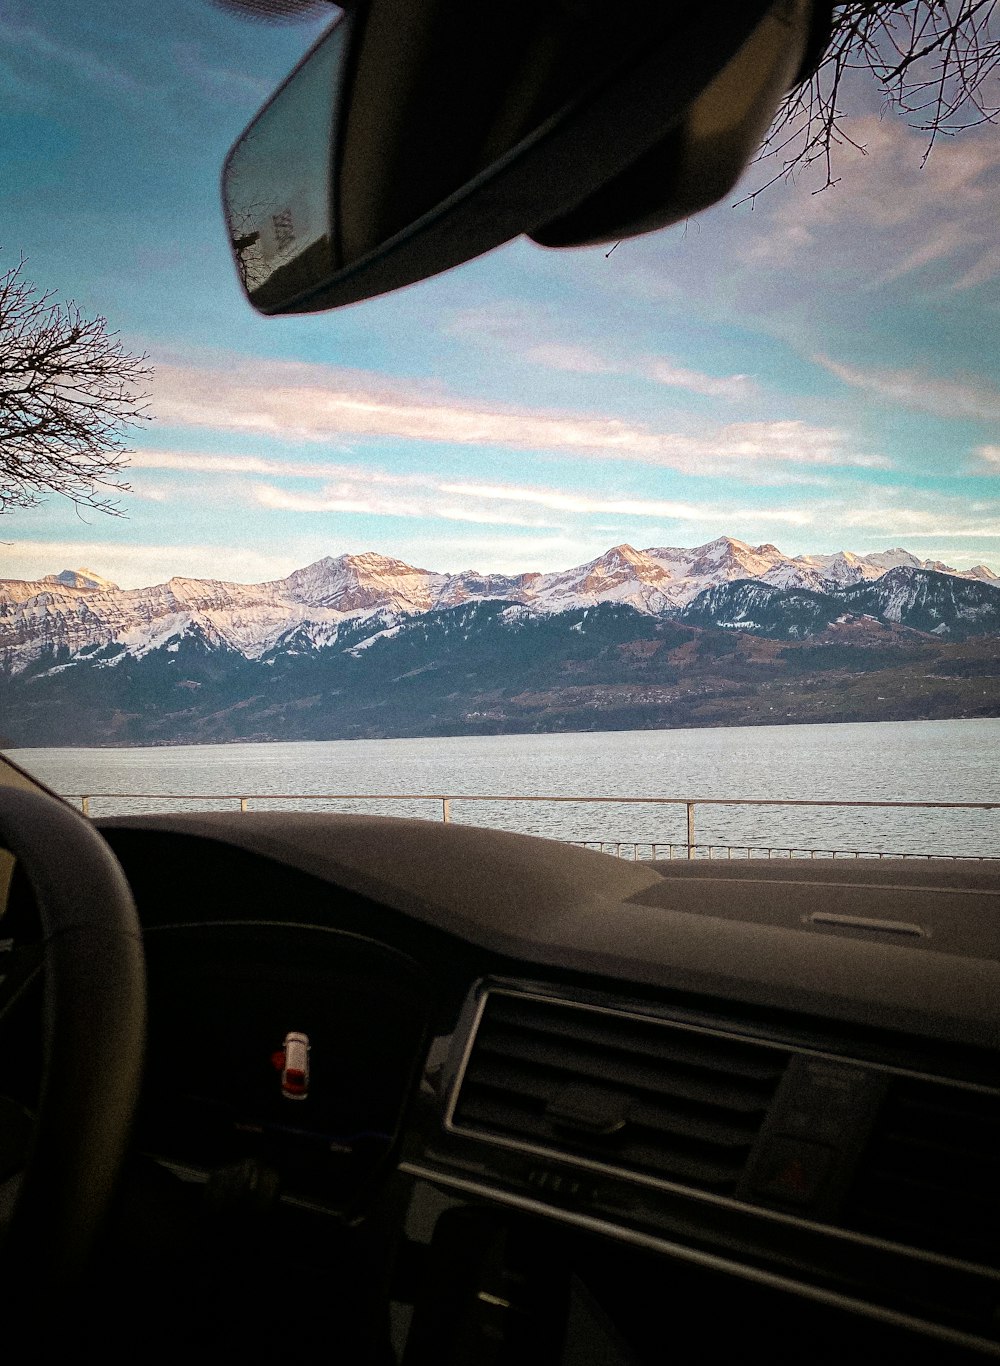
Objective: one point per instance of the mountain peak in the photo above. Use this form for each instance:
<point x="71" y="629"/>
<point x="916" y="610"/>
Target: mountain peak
<point x="721" y="543"/>
<point x="351" y="583"/>
<point x="623" y="553"/>
<point x="371" y="562"/>
<point x="81" y="578"/>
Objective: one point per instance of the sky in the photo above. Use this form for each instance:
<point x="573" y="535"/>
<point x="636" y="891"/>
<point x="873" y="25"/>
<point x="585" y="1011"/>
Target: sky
<point x="819" y="371"/>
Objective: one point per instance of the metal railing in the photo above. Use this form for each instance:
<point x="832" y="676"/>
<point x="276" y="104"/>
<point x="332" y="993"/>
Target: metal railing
<point x="688" y="848"/>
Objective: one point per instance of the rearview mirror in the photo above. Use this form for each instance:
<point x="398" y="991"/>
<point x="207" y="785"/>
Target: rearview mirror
<point x="415" y="136"/>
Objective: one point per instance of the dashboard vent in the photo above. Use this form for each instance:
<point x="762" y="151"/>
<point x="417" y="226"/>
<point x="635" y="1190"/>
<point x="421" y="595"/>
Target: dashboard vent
<point x="622" y="1090"/>
<point x="930" y="1177"/>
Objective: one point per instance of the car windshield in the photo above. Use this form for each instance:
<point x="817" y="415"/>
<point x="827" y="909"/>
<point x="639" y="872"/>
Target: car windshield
<point x="700" y="529"/>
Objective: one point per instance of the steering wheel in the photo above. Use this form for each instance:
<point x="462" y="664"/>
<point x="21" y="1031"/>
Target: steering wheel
<point x="93" y="1035"/>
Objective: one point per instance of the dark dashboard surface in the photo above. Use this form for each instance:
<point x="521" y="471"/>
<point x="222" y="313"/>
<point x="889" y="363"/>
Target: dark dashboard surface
<point x="787" y="1074"/>
<point x="911" y="945"/>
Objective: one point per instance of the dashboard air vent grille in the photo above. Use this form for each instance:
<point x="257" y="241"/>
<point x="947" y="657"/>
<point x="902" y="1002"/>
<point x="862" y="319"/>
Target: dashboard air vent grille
<point x="622" y="1090"/>
<point x="930" y="1177"/>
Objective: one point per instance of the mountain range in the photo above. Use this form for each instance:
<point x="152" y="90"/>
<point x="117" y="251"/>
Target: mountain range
<point x="366" y="644"/>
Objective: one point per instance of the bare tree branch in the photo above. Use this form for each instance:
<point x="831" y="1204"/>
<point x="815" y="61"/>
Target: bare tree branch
<point x="936" y="62"/>
<point x="68" y="392"/>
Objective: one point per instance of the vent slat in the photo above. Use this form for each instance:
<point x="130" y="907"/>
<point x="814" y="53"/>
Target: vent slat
<point x="647" y="1039"/>
<point x="620" y="1151"/>
<point x="509" y="1078"/>
<point x="566" y="1057"/>
<point x="657" y="1098"/>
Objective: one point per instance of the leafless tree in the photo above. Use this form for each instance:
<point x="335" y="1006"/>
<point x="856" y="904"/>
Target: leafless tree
<point x="936" y="63"/>
<point x="68" y="392"/>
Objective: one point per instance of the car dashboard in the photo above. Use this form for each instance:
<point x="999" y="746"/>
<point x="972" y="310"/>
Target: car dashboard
<point x="588" y="1102"/>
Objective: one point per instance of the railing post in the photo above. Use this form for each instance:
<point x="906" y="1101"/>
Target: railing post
<point x="446" y="810"/>
<point x="85" y="805"/>
<point x="243" y="803"/>
<point x="690" y="828"/>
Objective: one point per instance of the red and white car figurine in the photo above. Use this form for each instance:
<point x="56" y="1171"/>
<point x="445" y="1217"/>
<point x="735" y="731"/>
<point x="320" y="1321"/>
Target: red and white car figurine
<point x="295" y="1068"/>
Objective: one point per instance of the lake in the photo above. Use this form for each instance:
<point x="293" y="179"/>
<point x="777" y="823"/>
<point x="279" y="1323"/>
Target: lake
<point x="945" y="761"/>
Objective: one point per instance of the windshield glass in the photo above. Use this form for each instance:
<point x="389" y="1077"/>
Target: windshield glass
<point x="707" y="518"/>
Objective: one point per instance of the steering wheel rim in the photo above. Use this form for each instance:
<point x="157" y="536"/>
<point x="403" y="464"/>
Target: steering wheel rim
<point x="93" y="1037"/>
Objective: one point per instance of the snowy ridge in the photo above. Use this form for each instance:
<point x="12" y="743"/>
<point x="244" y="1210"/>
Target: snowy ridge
<point x="78" y="614"/>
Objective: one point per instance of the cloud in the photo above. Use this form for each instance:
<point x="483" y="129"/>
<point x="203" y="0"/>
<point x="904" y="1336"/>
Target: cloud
<point x="589" y="504"/>
<point x="507" y="320"/>
<point x="29" y="42"/>
<point x="204" y="462"/>
<point x="356" y="499"/>
<point x="898" y="518"/>
<point x="504" y="504"/>
<point x="882" y="516"/>
<point x="898" y="513"/>
<point x="581" y="360"/>
<point x="711" y="386"/>
<point x="138" y="566"/>
<point x="891" y="212"/>
<point x="901" y="514"/>
<point x="316" y="403"/>
<point x="511" y="324"/>
<point x="954" y="398"/>
<point x="144" y="493"/>
<point x="578" y="360"/>
<point x="509" y="554"/>
<point x="367" y="490"/>
<point x="989" y="456"/>
<point x="221" y="84"/>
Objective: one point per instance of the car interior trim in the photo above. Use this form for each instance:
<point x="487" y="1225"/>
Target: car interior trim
<point x="697" y="1256"/>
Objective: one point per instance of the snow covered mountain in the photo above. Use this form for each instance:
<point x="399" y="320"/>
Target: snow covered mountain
<point x="77" y="615"/>
<point x="622" y="574"/>
<point x="925" y="600"/>
<point x="938" y="603"/>
<point x="824" y="572"/>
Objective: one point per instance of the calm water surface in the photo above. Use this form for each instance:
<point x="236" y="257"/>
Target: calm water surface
<point x="945" y="761"/>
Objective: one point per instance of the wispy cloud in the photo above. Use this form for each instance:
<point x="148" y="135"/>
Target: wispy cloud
<point x="904" y="514"/>
<point x="573" y="359"/>
<point x="584" y="360"/>
<point x="31" y="43"/>
<point x="372" y="491"/>
<point x="208" y="462"/>
<point x="988" y="458"/>
<point x="710" y="386"/>
<point x="958" y="398"/>
<point x="658" y="508"/>
<point x="317" y="403"/>
<point x="854" y="513"/>
<point x="221" y="84"/>
<point x="892" y="212"/>
<point x="147" y="493"/>
<point x="950" y="529"/>
<point x="508" y="328"/>
<point x="369" y="490"/>
<point x="356" y="498"/>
